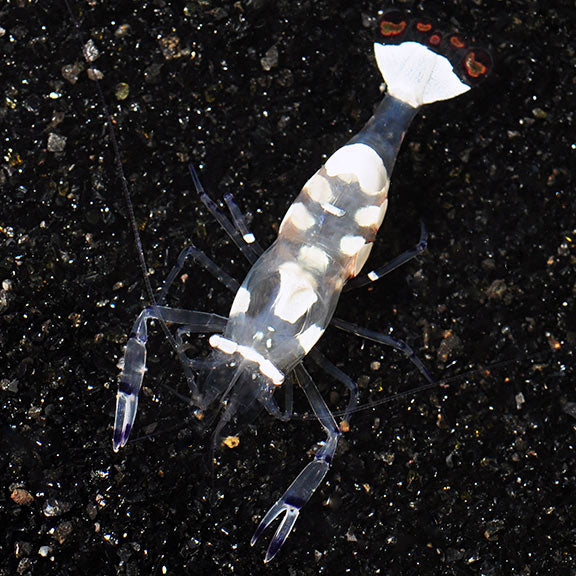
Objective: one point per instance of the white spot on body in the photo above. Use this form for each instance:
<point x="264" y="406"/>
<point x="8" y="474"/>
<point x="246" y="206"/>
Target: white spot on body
<point x="373" y="276"/>
<point x="296" y="294"/>
<point x="250" y="354"/>
<point x="249" y="238"/>
<point x="318" y="188"/>
<point x="369" y="216"/>
<point x="270" y="371"/>
<point x="350" y="245"/>
<point x="309" y="337"/>
<point x="334" y="210"/>
<point x="313" y="257"/>
<point x="223" y="344"/>
<point x="364" y="163"/>
<point x="361" y="257"/>
<point x="241" y="302"/>
<point x="265" y="366"/>
<point x="299" y="216"/>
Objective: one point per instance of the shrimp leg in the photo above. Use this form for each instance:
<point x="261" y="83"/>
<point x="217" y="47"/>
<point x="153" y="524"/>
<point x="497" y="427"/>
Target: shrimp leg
<point x="241" y="225"/>
<point x="191" y="321"/>
<point x="135" y="361"/>
<point x="274" y="410"/>
<point x="386" y="340"/>
<point x="243" y="242"/>
<point x="332" y="370"/>
<point x="209" y="265"/>
<point x="400" y="260"/>
<point x="305" y="484"/>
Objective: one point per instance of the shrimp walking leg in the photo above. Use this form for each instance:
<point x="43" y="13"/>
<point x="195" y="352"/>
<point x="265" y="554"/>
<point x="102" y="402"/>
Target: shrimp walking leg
<point x="246" y="248"/>
<point x="135" y="361"/>
<point x="386" y="340"/>
<point x="332" y="370"/>
<point x="241" y="225"/>
<point x="189" y="364"/>
<point x="209" y="265"/>
<point x="305" y="484"/>
<point x="272" y="407"/>
<point x="400" y="260"/>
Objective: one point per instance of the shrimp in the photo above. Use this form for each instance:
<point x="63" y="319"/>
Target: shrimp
<point x="288" y="298"/>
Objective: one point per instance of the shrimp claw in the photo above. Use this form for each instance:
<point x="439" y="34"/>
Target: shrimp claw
<point x="305" y="484"/>
<point x="135" y="361"/>
<point x="298" y="493"/>
<point x="129" y="387"/>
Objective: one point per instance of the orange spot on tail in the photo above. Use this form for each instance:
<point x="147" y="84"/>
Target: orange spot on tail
<point x="457" y="42"/>
<point x="388" y="28"/>
<point x="474" y="68"/>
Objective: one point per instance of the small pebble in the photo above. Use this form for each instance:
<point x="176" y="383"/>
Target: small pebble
<point x="270" y="59"/>
<point x="44" y="551"/>
<point x="56" y="143"/>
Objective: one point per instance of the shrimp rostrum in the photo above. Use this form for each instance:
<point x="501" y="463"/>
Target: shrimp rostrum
<point x="288" y="298"/>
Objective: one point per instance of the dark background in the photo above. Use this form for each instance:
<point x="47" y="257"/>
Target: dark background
<point x="475" y="477"/>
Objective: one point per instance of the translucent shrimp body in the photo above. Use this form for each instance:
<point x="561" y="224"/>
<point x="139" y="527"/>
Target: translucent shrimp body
<point x="288" y="298"/>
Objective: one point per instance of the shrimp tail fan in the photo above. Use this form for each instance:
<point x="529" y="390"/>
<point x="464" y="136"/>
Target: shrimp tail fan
<point x="421" y="65"/>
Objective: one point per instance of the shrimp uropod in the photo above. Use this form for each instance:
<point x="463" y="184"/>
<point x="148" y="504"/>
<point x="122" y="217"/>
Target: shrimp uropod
<point x="288" y="297"/>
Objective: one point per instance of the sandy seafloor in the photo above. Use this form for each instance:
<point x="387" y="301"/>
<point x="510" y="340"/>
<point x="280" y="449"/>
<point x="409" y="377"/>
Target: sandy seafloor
<point x="476" y="477"/>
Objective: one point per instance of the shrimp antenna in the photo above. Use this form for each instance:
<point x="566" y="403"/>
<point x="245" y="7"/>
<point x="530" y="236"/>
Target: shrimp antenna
<point x="123" y="184"/>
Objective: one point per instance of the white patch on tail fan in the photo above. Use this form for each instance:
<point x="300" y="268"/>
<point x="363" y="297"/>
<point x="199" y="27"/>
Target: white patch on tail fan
<point x="417" y="75"/>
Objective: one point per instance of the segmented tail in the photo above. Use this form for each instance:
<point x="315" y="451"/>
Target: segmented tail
<point x="421" y="65"/>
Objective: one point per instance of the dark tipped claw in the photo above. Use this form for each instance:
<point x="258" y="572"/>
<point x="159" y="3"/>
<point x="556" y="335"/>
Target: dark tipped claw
<point x="126" y="406"/>
<point x="283" y="530"/>
<point x="130" y="381"/>
<point x="423" y="242"/>
<point x="298" y="493"/>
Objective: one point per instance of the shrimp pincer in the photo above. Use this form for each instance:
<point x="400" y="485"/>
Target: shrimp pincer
<point x="288" y="298"/>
